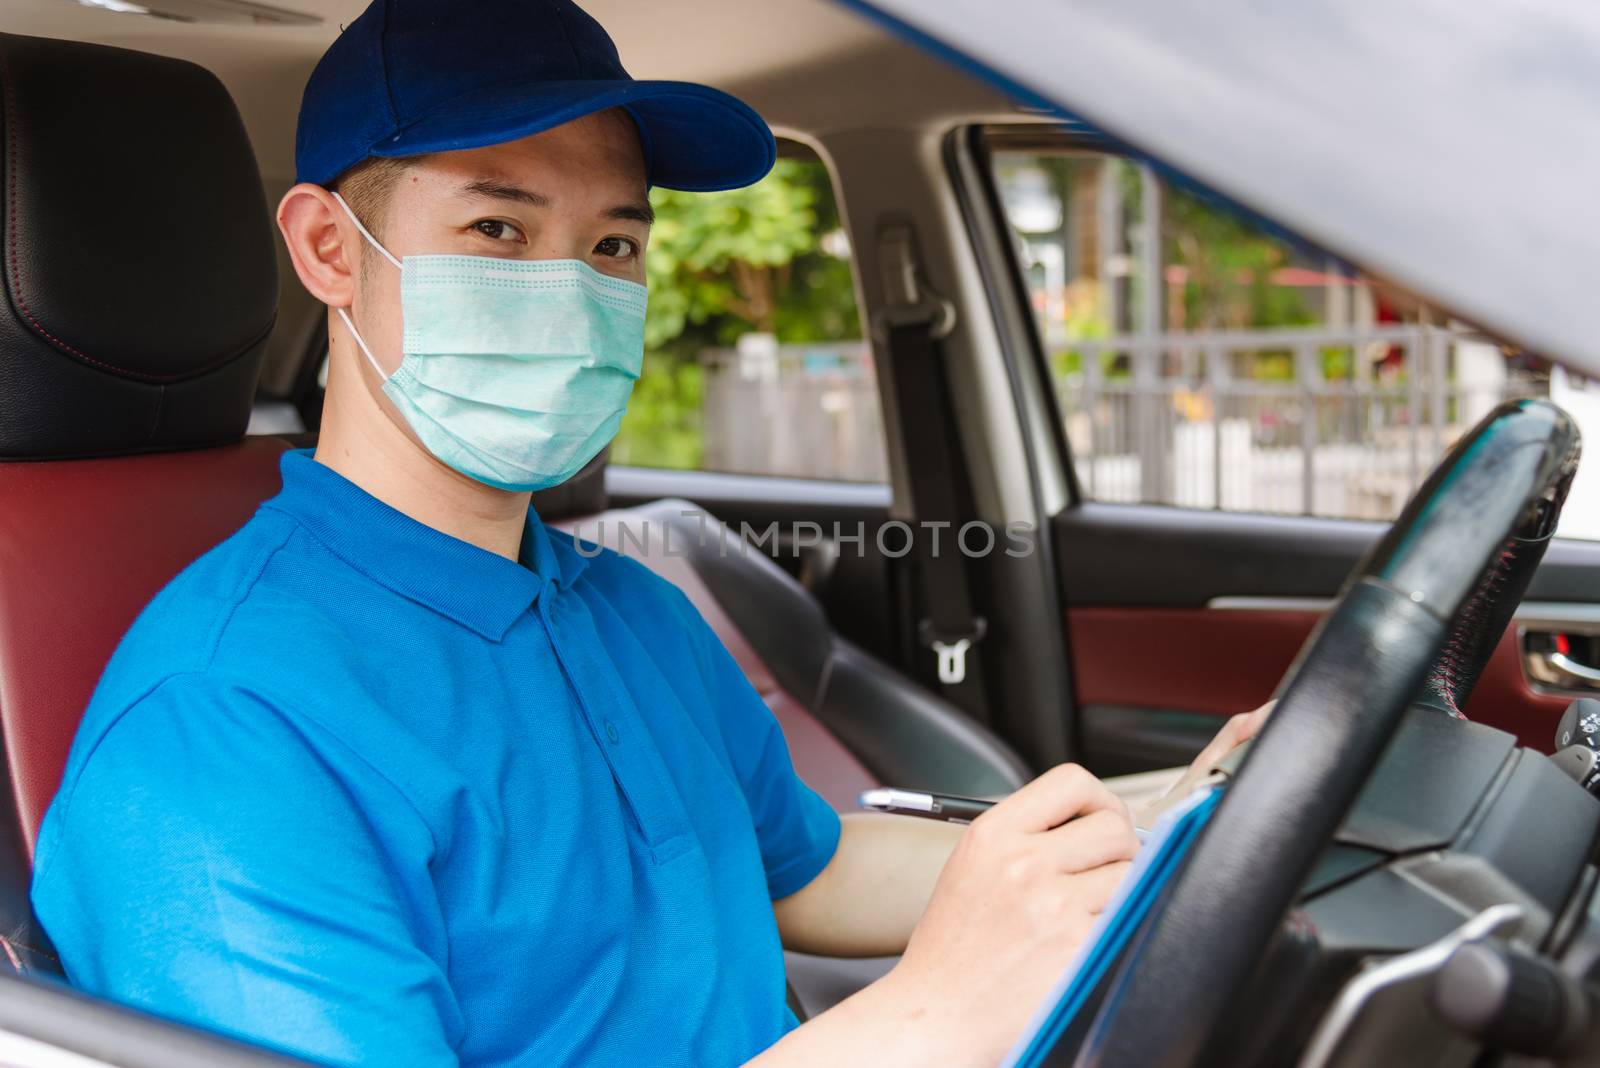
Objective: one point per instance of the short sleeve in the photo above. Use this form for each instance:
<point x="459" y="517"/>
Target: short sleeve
<point x="797" y="830"/>
<point x="218" y="861"/>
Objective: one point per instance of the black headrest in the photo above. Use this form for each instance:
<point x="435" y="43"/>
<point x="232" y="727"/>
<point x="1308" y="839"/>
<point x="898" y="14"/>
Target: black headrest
<point x="138" y="257"/>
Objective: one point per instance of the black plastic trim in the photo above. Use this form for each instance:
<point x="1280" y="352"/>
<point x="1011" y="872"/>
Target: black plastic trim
<point x="1148" y="554"/>
<point x="1008" y="288"/>
<point x="51" y="1013"/>
<point x="1121" y="740"/>
<point x="627" y="487"/>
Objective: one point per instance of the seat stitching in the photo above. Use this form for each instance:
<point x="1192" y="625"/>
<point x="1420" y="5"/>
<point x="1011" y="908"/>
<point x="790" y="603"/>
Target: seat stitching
<point x="21" y="302"/>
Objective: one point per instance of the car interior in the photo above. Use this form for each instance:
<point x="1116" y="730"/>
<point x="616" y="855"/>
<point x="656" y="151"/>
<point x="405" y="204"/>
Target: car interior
<point x="159" y="356"/>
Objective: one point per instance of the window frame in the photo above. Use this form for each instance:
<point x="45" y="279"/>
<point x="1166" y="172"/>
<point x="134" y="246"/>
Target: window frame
<point x="971" y="152"/>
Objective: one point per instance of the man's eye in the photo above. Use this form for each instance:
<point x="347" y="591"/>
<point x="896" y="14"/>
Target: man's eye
<point x="617" y="248"/>
<point x="498" y="230"/>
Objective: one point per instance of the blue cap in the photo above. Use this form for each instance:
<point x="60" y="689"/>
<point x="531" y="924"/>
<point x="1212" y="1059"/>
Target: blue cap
<point x="415" y="76"/>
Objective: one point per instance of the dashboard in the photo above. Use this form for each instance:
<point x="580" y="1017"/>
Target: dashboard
<point x="1457" y="819"/>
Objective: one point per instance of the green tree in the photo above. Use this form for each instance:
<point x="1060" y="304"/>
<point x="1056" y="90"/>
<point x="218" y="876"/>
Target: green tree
<point x="725" y="264"/>
<point x="1230" y="263"/>
<point x="726" y="255"/>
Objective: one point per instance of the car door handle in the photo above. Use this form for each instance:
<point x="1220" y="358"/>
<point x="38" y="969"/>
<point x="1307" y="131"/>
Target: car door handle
<point x="1560" y="664"/>
<point x="1552" y="665"/>
<point x="1560" y="645"/>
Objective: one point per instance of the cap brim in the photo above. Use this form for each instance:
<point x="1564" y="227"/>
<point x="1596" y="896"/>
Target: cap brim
<point x="695" y="137"/>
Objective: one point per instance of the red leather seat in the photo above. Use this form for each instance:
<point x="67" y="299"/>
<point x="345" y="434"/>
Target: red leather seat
<point x="84" y="545"/>
<point x="141" y="287"/>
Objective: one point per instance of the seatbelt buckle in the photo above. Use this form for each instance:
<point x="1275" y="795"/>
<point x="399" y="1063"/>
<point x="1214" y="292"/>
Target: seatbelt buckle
<point x="951" y="646"/>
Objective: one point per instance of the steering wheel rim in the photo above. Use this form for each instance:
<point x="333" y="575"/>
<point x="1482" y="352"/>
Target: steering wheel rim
<point x="1406" y="608"/>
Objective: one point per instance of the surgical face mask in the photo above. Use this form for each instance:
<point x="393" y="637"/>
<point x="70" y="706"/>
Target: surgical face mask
<point x="515" y="372"/>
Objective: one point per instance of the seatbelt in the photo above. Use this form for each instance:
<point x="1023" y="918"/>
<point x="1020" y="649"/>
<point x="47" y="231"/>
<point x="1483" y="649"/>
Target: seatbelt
<point x="909" y="325"/>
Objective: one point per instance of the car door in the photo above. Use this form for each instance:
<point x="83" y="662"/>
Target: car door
<point x="1239" y="415"/>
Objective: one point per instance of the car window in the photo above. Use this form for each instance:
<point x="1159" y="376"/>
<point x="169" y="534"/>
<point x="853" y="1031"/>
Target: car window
<point x="755" y="358"/>
<point x="1200" y="359"/>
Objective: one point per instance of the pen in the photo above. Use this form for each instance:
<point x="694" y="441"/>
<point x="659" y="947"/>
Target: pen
<point x="947" y="807"/>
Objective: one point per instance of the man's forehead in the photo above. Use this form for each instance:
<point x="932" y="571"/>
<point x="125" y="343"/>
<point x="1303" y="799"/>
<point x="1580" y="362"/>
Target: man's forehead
<point x="600" y="152"/>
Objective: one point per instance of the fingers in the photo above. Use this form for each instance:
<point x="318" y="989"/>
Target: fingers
<point x="1059" y="795"/>
<point x="1094" y="889"/>
<point x="1236" y="731"/>
<point x="1232" y="733"/>
<point x="1254" y="721"/>
<point x="1089" y="842"/>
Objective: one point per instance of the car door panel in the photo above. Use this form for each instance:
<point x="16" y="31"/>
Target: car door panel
<point x="1178" y="617"/>
<point x="1196" y="659"/>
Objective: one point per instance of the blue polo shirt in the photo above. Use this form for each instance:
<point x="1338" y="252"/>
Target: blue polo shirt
<point x="356" y="789"/>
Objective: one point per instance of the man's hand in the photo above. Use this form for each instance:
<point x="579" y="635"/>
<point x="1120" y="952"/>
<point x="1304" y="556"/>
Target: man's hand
<point x="1016" y="899"/>
<point x="1010" y="907"/>
<point x="1234" y="733"/>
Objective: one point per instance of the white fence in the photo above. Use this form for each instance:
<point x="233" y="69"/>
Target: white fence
<point x="1179" y="424"/>
<point x="809" y="411"/>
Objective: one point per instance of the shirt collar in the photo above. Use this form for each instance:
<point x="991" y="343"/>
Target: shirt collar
<point x="471" y="585"/>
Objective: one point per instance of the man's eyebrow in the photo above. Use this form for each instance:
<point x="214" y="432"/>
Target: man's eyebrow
<point x="488" y="187"/>
<point x="639" y="211"/>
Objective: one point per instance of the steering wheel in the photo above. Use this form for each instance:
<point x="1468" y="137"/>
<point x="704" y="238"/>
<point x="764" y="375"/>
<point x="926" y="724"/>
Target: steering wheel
<point x="1415" y="623"/>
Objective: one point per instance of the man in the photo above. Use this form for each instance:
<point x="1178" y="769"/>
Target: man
<point x="397" y="776"/>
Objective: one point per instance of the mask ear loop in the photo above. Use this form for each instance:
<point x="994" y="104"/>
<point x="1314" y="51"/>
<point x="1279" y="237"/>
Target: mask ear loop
<point x="383" y="375"/>
<point x="364" y="231"/>
<point x="349" y="324"/>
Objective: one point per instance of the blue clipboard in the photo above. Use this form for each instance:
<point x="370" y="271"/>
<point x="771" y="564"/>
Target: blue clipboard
<point x="1167" y="844"/>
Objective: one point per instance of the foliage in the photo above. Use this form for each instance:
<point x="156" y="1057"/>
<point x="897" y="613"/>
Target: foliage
<point x="725" y="264"/>
<point x="662" y="427"/>
<point x="1085" y="321"/>
<point x="747" y="259"/>
<point x="1229" y="263"/>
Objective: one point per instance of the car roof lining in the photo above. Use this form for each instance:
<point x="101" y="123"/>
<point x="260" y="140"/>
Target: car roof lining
<point x="809" y="66"/>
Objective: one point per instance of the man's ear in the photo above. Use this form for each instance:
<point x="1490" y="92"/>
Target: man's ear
<point x="323" y="245"/>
